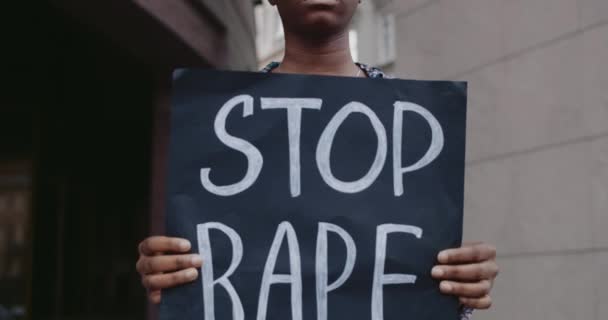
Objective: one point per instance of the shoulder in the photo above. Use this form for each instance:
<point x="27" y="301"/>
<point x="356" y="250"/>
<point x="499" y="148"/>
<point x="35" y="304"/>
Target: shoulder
<point x="373" y="72"/>
<point x="269" y="67"/>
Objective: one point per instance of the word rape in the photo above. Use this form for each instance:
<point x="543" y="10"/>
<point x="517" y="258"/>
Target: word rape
<point x="286" y="232"/>
<point x="294" y="108"/>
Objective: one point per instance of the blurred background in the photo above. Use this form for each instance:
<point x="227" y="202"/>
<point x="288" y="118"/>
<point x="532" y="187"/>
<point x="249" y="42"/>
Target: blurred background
<point x="83" y="124"/>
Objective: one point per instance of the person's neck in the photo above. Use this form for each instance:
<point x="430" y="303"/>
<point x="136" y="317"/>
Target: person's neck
<point x="326" y="56"/>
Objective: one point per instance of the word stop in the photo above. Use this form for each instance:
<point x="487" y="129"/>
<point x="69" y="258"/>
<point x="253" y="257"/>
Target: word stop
<point x="286" y="232"/>
<point x="294" y="108"/>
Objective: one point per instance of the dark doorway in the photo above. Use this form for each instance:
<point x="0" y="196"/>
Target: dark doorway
<point x="76" y="125"/>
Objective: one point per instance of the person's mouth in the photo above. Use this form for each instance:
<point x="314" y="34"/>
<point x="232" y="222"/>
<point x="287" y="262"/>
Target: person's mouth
<point x="321" y="2"/>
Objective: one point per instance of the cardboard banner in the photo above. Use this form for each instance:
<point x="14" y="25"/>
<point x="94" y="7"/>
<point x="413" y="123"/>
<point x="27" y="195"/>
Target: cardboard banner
<point x="314" y="197"/>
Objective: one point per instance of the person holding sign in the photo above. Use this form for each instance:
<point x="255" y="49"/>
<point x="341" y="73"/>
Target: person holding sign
<point x="316" y="43"/>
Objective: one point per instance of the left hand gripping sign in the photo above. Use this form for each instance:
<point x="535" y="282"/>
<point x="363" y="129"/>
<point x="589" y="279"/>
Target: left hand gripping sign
<point x="285" y="184"/>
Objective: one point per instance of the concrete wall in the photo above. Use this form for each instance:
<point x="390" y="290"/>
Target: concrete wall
<point x="537" y="154"/>
<point x="238" y="19"/>
<point x="174" y="33"/>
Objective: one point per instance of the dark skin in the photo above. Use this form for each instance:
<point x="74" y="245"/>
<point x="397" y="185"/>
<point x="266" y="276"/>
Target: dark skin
<point x="316" y="42"/>
<point x="316" y="37"/>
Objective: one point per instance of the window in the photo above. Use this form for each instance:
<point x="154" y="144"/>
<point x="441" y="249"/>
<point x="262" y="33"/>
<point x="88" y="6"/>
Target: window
<point x="386" y="39"/>
<point x="354" y="44"/>
<point x="278" y="28"/>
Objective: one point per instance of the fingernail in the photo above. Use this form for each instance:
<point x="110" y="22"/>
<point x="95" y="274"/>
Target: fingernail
<point x="437" y="272"/>
<point x="445" y="286"/>
<point x="191" y="274"/>
<point x="184" y="245"/>
<point x="442" y="257"/>
<point x="197" y="261"/>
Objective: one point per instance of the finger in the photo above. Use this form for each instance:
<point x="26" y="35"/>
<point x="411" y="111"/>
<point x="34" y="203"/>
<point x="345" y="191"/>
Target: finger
<point x="467" y="254"/>
<point x="481" y="303"/>
<point x="168" y="280"/>
<point x="466" y="272"/>
<point x="466" y="290"/>
<point x="159" y="244"/>
<point x="154" y="296"/>
<point x="158" y="264"/>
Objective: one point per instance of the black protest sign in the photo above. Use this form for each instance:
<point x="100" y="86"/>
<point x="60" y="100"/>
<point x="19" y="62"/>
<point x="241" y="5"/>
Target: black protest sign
<point x="312" y="197"/>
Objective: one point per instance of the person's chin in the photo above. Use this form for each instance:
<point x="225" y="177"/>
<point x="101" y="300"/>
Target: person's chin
<point x="321" y="23"/>
<point x="321" y="16"/>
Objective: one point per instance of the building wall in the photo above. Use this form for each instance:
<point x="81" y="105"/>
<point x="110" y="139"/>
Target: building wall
<point x="238" y="19"/>
<point x="537" y="153"/>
